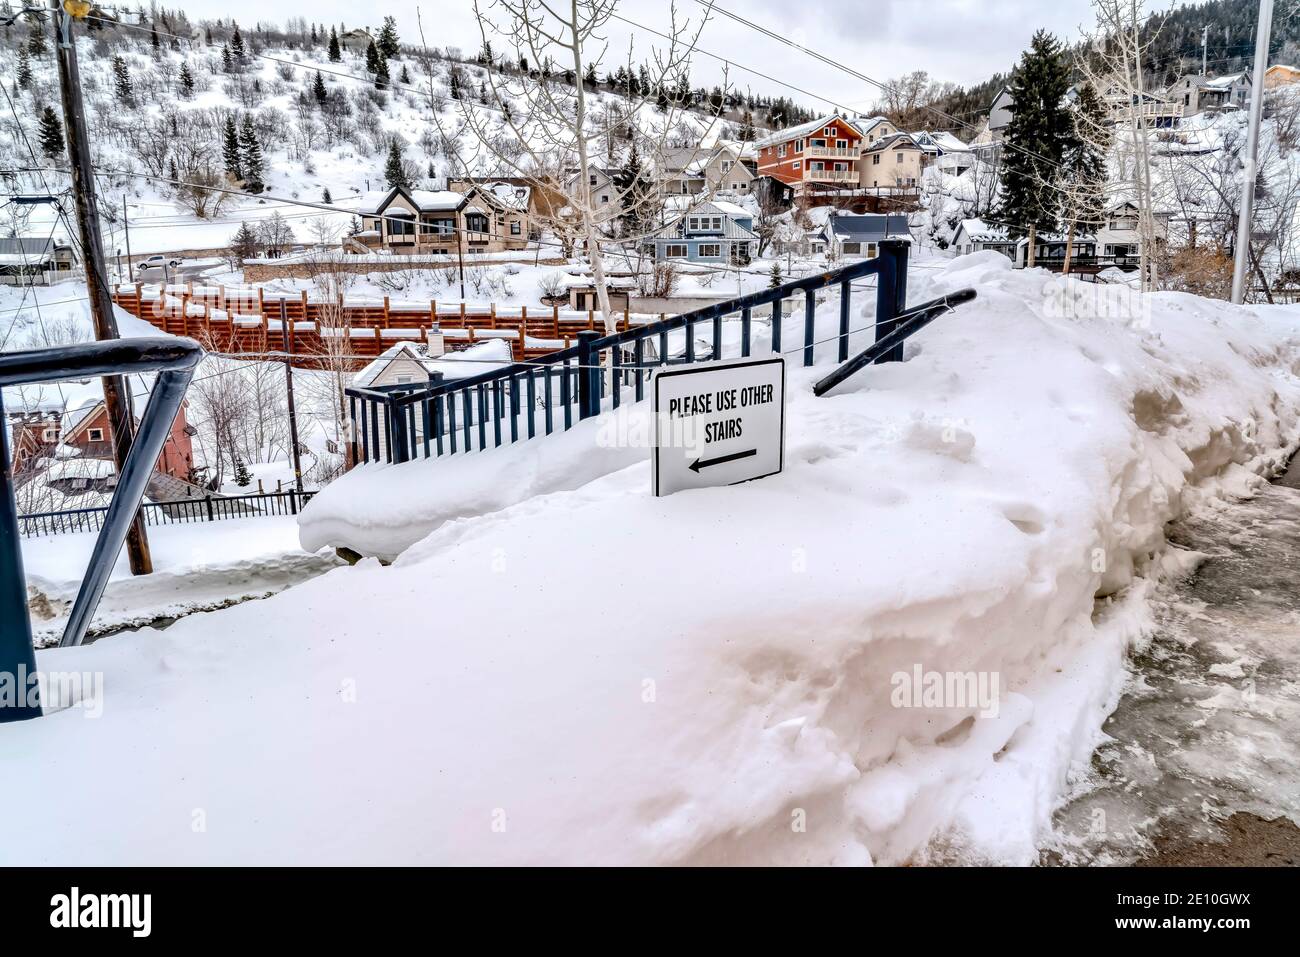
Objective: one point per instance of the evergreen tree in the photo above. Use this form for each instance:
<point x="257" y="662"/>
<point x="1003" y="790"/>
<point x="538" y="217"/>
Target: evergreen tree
<point x="1083" y="165"/>
<point x="227" y="61"/>
<point x="389" y="44"/>
<point x="432" y="172"/>
<point x="318" y="90"/>
<point x="747" y="132"/>
<point x="244" y="244"/>
<point x="230" y="150"/>
<point x="24" y="73"/>
<point x="325" y="197"/>
<point x="589" y="79"/>
<point x="485" y="55"/>
<point x="237" y="48"/>
<point x="51" y="133"/>
<point x="661" y="101"/>
<point x="635" y="188"/>
<point x="1035" y="140"/>
<point x="405" y="77"/>
<point x="313" y="35"/>
<point x="251" y="154"/>
<point x="153" y="40"/>
<point x="36" y="43"/>
<point x="453" y="84"/>
<point x="775" y="274"/>
<point x="242" y="478"/>
<point x="372" y="58"/>
<point x="187" y="81"/>
<point x="335" y="51"/>
<point x="395" y="168"/>
<point x="382" y="79"/>
<point x="122" y="81"/>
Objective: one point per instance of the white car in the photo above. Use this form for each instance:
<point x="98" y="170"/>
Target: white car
<point x="157" y="262"/>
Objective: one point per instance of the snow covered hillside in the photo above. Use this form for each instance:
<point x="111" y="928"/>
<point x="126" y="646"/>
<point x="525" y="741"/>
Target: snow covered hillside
<point x="573" y="671"/>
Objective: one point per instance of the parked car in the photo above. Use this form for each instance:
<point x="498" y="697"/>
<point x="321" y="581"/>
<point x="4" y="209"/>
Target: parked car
<point x="157" y="262"/>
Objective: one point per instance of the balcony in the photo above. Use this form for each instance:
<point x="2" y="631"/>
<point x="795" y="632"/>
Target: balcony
<point x="834" y="152"/>
<point x="832" y="175"/>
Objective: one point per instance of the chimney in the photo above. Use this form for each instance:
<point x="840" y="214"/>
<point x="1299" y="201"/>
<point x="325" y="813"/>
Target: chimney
<point x="436" y="347"/>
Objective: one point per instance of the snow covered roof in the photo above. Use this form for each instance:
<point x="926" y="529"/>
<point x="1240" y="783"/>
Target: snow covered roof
<point x="803" y="129"/>
<point x="867" y="227"/>
<point x="729" y="212"/>
<point x="367" y="376"/>
<point x="894" y="141"/>
<point x="941" y="140"/>
<point x="978" y="231"/>
<point x="868" y="123"/>
<point x="425" y="200"/>
<point x="731" y="209"/>
<point x="79" y="468"/>
<point x="481" y="357"/>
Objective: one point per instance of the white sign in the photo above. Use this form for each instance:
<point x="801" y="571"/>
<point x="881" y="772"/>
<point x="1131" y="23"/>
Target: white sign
<point x="718" y="423"/>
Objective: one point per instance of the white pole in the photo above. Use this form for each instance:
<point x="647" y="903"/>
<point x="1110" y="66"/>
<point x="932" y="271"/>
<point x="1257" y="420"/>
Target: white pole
<point x="1250" y="161"/>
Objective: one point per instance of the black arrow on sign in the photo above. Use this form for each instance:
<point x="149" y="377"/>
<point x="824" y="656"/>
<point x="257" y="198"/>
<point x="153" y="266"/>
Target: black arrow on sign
<point x="720" y="460"/>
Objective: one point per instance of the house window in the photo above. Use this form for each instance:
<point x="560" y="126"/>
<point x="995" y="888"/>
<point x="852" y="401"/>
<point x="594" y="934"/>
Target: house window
<point x="816" y="166"/>
<point x="726" y="166"/>
<point x="403" y="379"/>
<point x="675" y="251"/>
<point x="50" y="435"/>
<point x="898" y="157"/>
<point x="476" y="222"/>
<point x="829" y="131"/>
<point x="798" y="165"/>
<point x="852" y="249"/>
<point x="401" y="227"/>
<point x="798" y="146"/>
<point x="516" y="229"/>
<point x="604" y="198"/>
<point x="875" y="159"/>
<point x="818" y="142"/>
<point x="710" y="250"/>
<point x="96" y="435"/>
<point x="871" y="250"/>
<point x="841" y="144"/>
<point x="780" y="150"/>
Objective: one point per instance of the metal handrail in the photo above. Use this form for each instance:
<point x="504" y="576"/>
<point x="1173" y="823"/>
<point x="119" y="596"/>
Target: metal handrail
<point x="174" y="360"/>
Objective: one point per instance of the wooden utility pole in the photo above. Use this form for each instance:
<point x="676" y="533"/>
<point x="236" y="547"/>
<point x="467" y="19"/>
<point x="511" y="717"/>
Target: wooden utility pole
<point x="286" y="334"/>
<point x="1250" y="157"/>
<point x="117" y="395"/>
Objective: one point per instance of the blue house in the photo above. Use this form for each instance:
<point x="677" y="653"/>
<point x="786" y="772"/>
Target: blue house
<point x="712" y="232"/>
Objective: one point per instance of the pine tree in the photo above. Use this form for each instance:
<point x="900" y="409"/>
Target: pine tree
<point x="382" y="80"/>
<point x="1083" y="167"/>
<point x="122" y="81"/>
<point x="325" y="197"/>
<point x="187" y="81"/>
<point x="776" y="279"/>
<point x="335" y="51"/>
<point x="405" y="78"/>
<point x="395" y="168"/>
<point x="51" y="133"/>
<point x="244" y="243"/>
<point x="453" y="84"/>
<point x="242" y="478"/>
<point x="36" y="43"/>
<point x="313" y="35"/>
<point x="318" y="90"/>
<point x="747" y="132"/>
<point x="1035" y="139"/>
<point x="589" y="79"/>
<point x="485" y="55"/>
<point x="237" y="48"/>
<point x="227" y="61"/>
<point x="389" y="44"/>
<point x="251" y="154"/>
<point x="154" y="41"/>
<point x="635" y="189"/>
<point x="230" y="150"/>
<point x="372" y="58"/>
<point x="24" y="74"/>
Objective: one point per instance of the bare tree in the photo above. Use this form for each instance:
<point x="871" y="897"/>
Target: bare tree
<point x="540" y="124"/>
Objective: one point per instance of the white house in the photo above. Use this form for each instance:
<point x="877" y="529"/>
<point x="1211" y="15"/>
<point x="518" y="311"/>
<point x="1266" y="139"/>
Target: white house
<point x="974" y="235"/>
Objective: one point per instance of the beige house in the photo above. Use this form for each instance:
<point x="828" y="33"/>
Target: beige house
<point x="1279" y="74"/>
<point x="892" y="163"/>
<point x="1196" y="94"/>
<point x="689" y="171"/>
<point x="874" y="129"/>
<point x="440" y="222"/>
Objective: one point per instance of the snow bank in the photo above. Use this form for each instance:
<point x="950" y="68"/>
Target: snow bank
<point x="565" y="669"/>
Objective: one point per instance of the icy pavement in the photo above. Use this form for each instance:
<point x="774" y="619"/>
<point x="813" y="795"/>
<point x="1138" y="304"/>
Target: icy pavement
<point x="197" y="567"/>
<point x="1209" y="725"/>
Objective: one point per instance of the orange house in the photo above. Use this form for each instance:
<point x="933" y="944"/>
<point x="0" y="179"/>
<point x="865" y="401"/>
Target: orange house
<point x="88" y="430"/>
<point x="824" y="152"/>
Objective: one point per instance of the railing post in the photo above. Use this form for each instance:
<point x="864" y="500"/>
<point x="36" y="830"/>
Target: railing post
<point x="900" y="253"/>
<point x="208" y="500"/>
<point x="886" y="293"/>
<point x="17" y="659"/>
<point x="809" y="325"/>
<point x="397" y="442"/>
<point x="588" y="375"/>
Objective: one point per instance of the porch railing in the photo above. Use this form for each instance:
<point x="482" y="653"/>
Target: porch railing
<point x="174" y="360"/>
<point x="186" y="511"/>
<point x="525" y="400"/>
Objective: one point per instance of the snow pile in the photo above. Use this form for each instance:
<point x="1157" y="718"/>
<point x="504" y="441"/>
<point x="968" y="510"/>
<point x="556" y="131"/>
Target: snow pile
<point x="565" y="669"/>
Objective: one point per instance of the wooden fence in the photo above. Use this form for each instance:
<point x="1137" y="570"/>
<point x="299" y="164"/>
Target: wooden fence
<point x="251" y="320"/>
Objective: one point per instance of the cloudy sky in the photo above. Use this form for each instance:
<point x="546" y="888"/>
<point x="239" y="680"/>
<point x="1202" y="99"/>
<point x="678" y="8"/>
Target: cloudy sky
<point x="959" y="40"/>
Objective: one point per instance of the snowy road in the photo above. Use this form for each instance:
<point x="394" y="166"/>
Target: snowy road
<point x="1209" y="725"/>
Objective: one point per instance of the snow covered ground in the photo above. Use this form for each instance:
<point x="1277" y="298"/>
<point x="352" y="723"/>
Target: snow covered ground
<point x="563" y="669"/>
<point x="198" y="566"/>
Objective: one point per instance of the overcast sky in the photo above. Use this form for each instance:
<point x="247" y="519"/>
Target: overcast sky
<point x="959" y="40"/>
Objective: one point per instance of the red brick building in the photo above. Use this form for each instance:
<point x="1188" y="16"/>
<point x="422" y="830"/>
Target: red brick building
<point x="822" y="153"/>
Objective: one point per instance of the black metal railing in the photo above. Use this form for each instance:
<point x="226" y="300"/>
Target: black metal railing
<point x="174" y="360"/>
<point x="524" y="400"/>
<point x="210" y="508"/>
